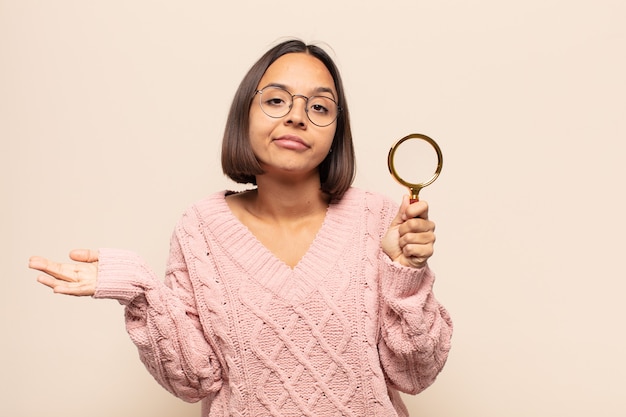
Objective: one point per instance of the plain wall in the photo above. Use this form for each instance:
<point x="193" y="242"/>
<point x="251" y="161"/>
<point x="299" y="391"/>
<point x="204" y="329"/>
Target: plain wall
<point x="111" y="116"/>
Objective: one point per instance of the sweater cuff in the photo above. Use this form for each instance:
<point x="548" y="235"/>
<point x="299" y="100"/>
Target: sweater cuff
<point x="399" y="281"/>
<point x="121" y="275"/>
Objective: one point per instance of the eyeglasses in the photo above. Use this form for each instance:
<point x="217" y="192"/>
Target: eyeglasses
<point x="277" y="102"/>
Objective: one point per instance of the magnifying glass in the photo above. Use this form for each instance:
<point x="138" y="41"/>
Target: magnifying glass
<point x="417" y="160"/>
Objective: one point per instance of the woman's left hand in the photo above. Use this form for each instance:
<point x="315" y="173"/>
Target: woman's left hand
<point x="411" y="236"/>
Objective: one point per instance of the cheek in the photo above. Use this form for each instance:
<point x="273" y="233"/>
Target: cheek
<point x="331" y="137"/>
<point x="258" y="122"/>
<point x="254" y="129"/>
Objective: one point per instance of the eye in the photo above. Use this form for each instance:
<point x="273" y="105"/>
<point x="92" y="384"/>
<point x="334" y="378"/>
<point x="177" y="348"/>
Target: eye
<point x="318" y="108"/>
<point x="322" y="105"/>
<point x="274" y="101"/>
<point x="275" y="97"/>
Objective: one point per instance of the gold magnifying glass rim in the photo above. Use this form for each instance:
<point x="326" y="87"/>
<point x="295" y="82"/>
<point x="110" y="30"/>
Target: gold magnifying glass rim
<point x="414" y="187"/>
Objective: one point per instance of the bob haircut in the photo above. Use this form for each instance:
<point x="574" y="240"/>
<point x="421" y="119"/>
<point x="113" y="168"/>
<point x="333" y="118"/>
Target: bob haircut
<point x="239" y="163"/>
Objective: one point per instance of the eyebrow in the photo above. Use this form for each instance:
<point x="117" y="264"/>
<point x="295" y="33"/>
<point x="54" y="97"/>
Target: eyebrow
<point x="316" y="91"/>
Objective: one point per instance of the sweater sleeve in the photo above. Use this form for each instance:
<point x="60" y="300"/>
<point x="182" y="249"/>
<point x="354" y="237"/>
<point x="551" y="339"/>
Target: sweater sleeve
<point x="162" y="321"/>
<point x="415" y="329"/>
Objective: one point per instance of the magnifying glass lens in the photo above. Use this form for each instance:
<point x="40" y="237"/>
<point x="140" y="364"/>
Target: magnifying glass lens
<point x="415" y="161"/>
<point x="417" y="165"/>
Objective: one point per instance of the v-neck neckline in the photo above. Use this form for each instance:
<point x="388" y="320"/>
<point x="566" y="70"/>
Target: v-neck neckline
<point x="270" y="271"/>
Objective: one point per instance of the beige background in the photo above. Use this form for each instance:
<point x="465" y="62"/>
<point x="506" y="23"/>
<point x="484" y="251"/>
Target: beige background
<point x="111" y="114"/>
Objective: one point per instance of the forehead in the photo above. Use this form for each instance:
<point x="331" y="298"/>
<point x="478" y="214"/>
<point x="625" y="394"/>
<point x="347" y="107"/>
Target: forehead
<point x="299" y="72"/>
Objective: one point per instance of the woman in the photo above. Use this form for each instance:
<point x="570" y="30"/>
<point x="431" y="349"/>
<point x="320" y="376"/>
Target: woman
<point x="300" y="296"/>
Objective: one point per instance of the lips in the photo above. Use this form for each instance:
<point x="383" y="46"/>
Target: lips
<point x="291" y="142"/>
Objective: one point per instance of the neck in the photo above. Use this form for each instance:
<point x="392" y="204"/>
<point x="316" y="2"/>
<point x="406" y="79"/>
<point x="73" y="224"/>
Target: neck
<point x="285" y="200"/>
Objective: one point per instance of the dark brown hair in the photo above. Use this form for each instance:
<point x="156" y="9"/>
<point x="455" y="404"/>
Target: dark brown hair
<point x="239" y="163"/>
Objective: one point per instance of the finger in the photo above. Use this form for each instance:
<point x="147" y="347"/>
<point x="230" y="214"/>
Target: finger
<point x="416" y="225"/>
<point x="84" y="255"/>
<point x="43" y="264"/>
<point x="401" y="215"/>
<point x="78" y="289"/>
<point x="48" y="281"/>
<point x="67" y="288"/>
<point x="426" y="238"/>
<point x="418" y="253"/>
<point x="37" y="262"/>
<point x="65" y="272"/>
<point x="417" y="209"/>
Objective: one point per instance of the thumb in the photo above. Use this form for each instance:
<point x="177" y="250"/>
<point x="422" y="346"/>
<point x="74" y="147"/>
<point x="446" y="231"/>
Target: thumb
<point x="401" y="216"/>
<point x="84" y="255"/>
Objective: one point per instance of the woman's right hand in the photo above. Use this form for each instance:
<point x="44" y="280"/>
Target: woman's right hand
<point x="71" y="279"/>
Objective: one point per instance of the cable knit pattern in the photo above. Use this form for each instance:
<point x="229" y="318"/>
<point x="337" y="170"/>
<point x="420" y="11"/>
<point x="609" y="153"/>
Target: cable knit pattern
<point x="232" y="325"/>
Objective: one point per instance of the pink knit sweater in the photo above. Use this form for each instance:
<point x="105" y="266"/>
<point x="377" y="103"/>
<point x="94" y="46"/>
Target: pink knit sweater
<point x="338" y="335"/>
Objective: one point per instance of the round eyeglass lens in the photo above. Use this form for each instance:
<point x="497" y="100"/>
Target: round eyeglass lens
<point x="322" y="110"/>
<point x="275" y="102"/>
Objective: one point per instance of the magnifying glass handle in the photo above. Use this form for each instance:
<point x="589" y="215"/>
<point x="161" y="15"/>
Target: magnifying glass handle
<point x="414" y="194"/>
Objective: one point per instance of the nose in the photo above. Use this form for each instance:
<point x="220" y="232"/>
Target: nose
<point x="297" y="114"/>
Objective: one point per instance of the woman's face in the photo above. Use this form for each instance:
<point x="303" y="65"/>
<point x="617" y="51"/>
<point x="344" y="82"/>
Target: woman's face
<point x="292" y="145"/>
